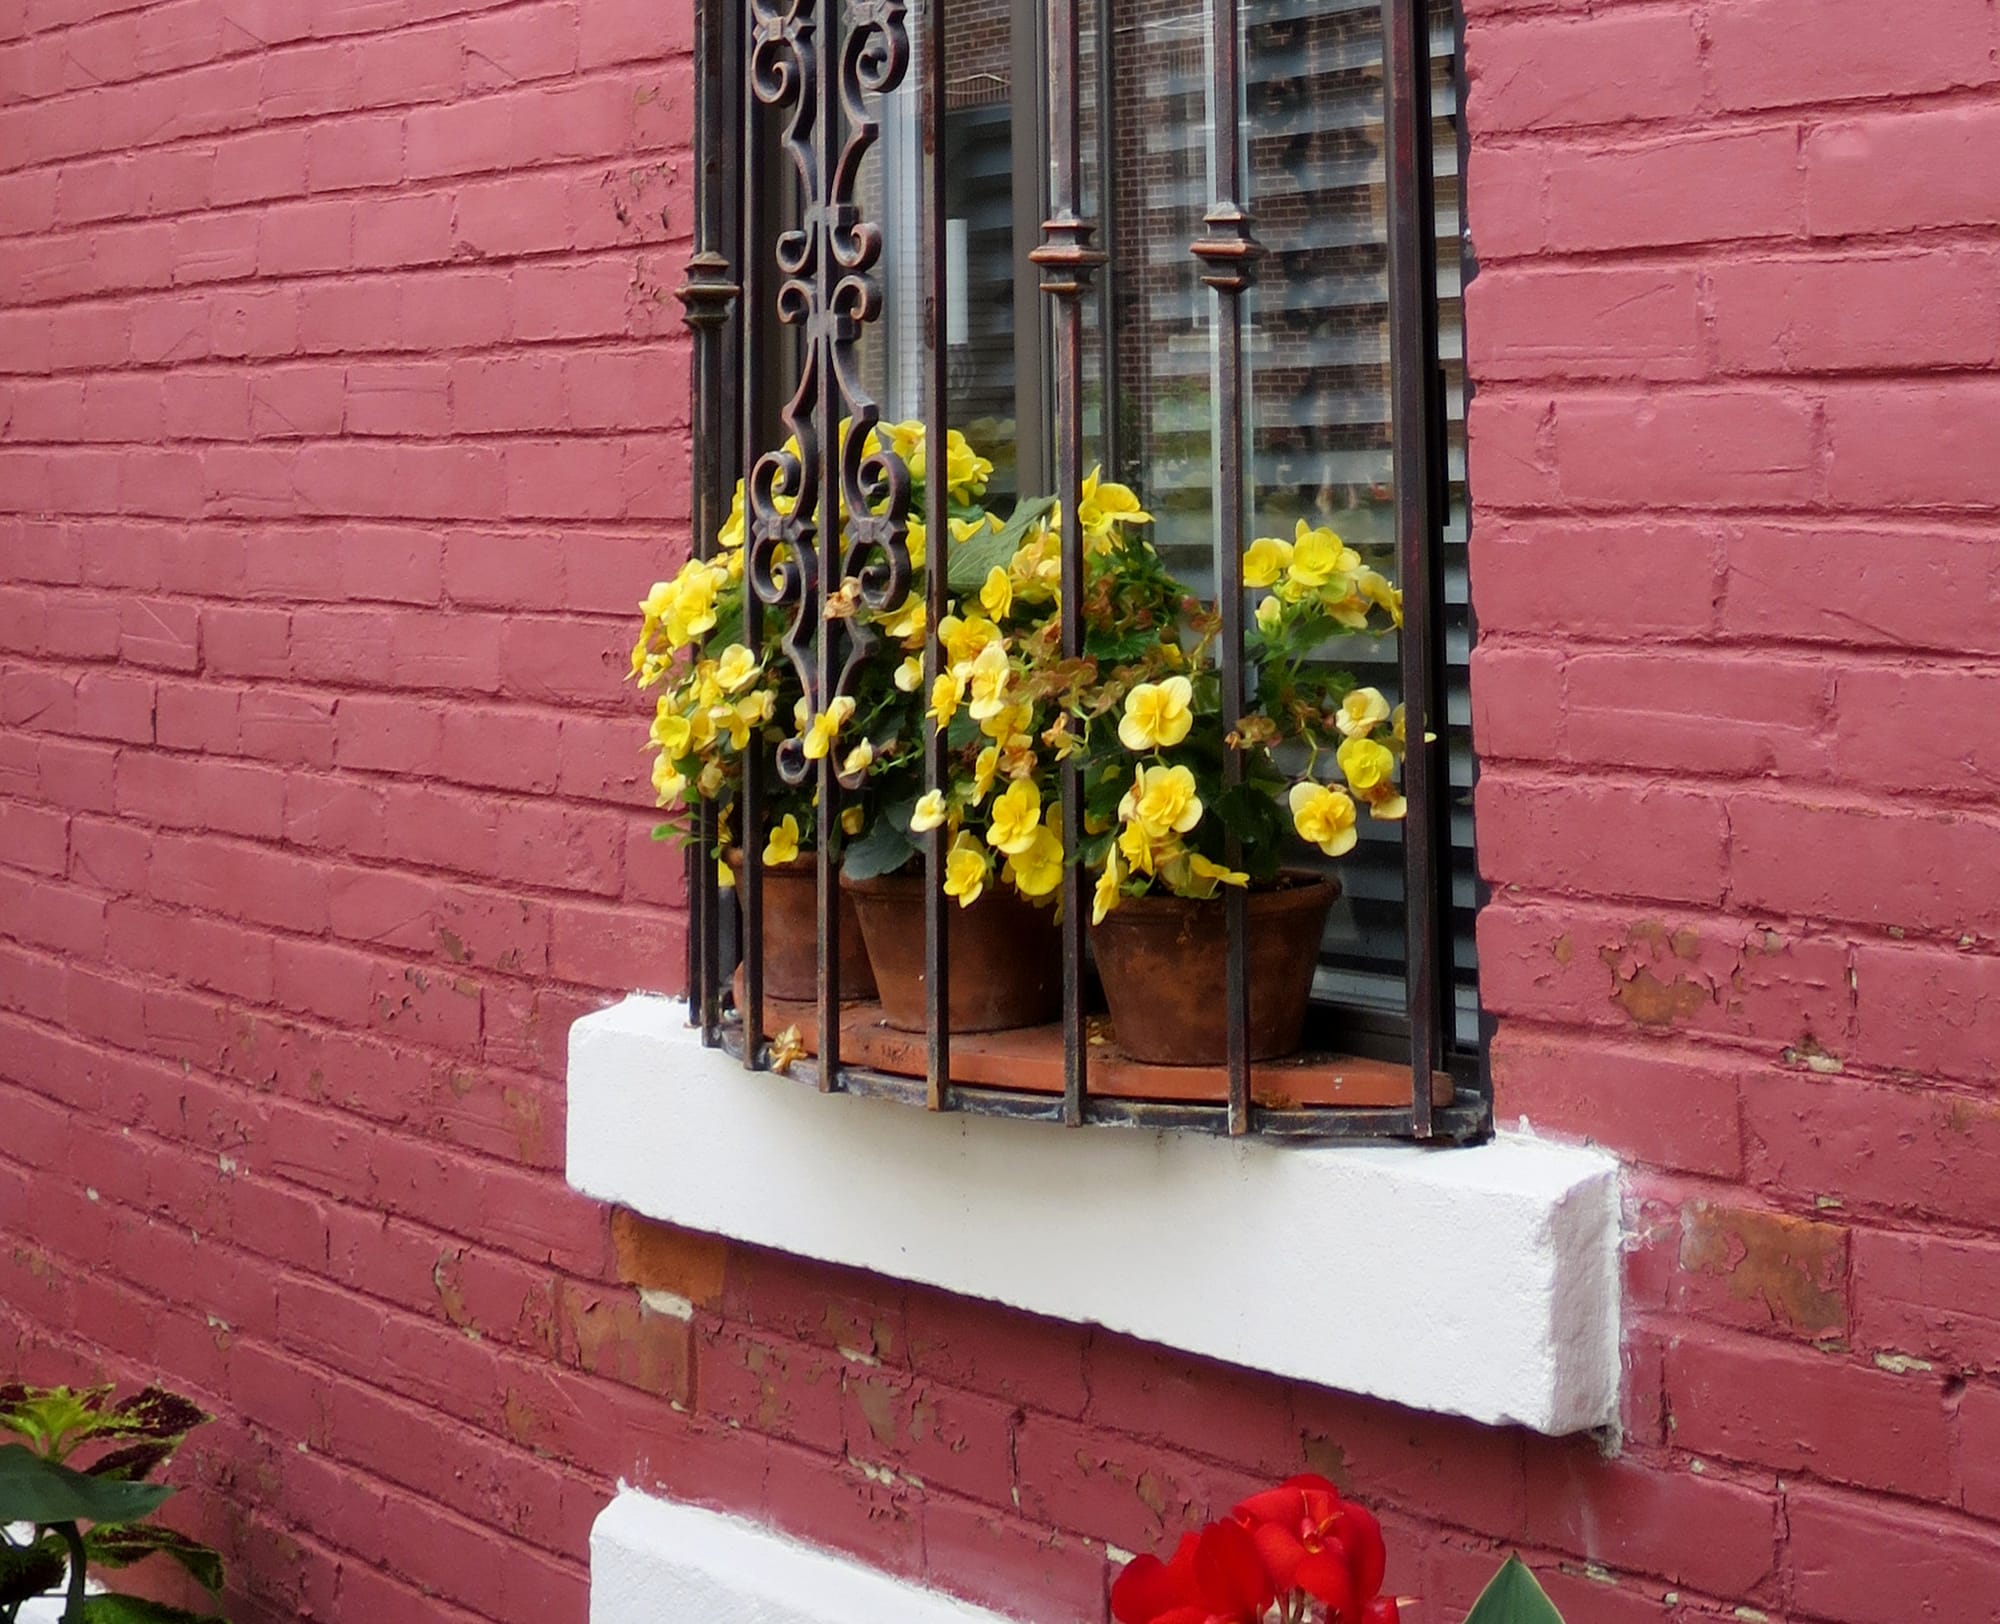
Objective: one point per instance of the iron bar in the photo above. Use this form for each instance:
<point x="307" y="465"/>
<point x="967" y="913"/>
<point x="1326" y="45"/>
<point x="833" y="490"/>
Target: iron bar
<point x="1414" y="431"/>
<point x="1228" y="256"/>
<point x="1067" y="261"/>
<point x="826" y="537"/>
<point x="937" y="526"/>
<point x="707" y="294"/>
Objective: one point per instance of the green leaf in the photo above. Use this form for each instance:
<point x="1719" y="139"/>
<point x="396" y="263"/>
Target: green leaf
<point x="31" y="1570"/>
<point x="39" y="1491"/>
<point x="121" y="1547"/>
<point x="108" y="1609"/>
<point x="1513" y="1598"/>
<point x="972" y="561"/>
<point x="882" y="850"/>
<point x="153" y="1412"/>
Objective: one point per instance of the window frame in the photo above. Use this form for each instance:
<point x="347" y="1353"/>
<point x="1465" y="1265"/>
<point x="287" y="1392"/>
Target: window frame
<point x="724" y="280"/>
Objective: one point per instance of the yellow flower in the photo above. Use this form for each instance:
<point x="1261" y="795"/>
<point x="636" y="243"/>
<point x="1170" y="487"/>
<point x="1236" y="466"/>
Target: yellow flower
<point x="1379" y="592"/>
<point x="983" y="772"/>
<point x="1270" y="614"/>
<point x="671" y="731"/>
<point x="1204" y="876"/>
<point x="964" y="639"/>
<point x="1324" y="816"/>
<point x="996" y="597"/>
<point x="1107" y="894"/>
<point x="990" y="675"/>
<point x="1318" y="556"/>
<point x="1007" y="723"/>
<point x="1266" y="561"/>
<point x="826" y="728"/>
<point x="1361" y="712"/>
<point x="701" y="729"/>
<point x="966" y="472"/>
<point x="1105" y="503"/>
<point x="929" y="812"/>
<point x="1387" y="806"/>
<point x="1037" y="870"/>
<point x="859" y="759"/>
<point x="946" y="692"/>
<point x="757" y="707"/>
<point x="725" y="876"/>
<point x="730" y="537"/>
<point x="1017" y="814"/>
<point x="1157" y="714"/>
<point x="783" y="846"/>
<point x="1162" y="800"/>
<point x="965" y="869"/>
<point x="917" y="539"/>
<point x="1365" y="764"/>
<point x="729" y="719"/>
<point x="910" y="675"/>
<point x="850" y="820"/>
<point x="668" y="784"/>
<point x="907" y="624"/>
<point x="1145" y="852"/>
<point x="736" y="667"/>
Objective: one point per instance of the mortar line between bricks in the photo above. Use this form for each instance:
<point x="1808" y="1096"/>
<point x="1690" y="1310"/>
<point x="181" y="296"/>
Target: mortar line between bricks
<point x="1803" y="243"/>
<point x="262" y="51"/>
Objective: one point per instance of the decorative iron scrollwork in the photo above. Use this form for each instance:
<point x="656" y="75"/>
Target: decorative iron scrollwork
<point x="802" y="547"/>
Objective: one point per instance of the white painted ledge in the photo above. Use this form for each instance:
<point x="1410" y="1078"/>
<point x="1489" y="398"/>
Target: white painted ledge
<point x="655" y="1562"/>
<point x="1479" y="1282"/>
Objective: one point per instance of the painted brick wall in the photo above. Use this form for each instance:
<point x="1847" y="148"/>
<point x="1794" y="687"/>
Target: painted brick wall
<point x="341" y="423"/>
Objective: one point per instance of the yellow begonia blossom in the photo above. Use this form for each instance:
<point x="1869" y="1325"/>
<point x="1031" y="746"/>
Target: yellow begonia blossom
<point x="1037" y="870"/>
<point x="756" y="707"/>
<point x="1145" y="852"/>
<point x="1157" y="715"/>
<point x="729" y="720"/>
<point x="671" y="731"/>
<point x="984" y="770"/>
<point x="701" y="729"/>
<point x="1365" y="764"/>
<point x="1202" y="877"/>
<point x="826" y="728"/>
<point x="668" y="784"/>
<point x="1377" y="590"/>
<point x="1104" y="503"/>
<point x="996" y="597"/>
<point x="990" y="675"/>
<point x="1270" y="615"/>
<point x="783" y="846"/>
<point x="1017" y="814"/>
<point x="966" y="867"/>
<point x="966" y="471"/>
<point x="859" y="759"/>
<point x="907" y="624"/>
<point x="735" y="668"/>
<point x="1318" y="556"/>
<point x="1107" y="893"/>
<point x="851" y="819"/>
<point x="929" y="812"/>
<point x="917" y="539"/>
<point x="965" y="639"/>
<point x="1266" y="561"/>
<point x="1387" y="805"/>
<point x="1007" y="723"/>
<point x="946" y="692"/>
<point x="910" y="675"/>
<point x="1325" y="817"/>
<point x="725" y="876"/>
<point x="1399" y="722"/>
<point x="1163" y="801"/>
<point x="710" y="780"/>
<point x="1361" y="712"/>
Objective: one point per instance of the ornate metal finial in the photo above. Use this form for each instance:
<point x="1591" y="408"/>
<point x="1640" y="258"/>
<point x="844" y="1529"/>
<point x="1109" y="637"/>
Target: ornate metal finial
<point x="706" y="291"/>
<point x="1067" y="259"/>
<point x="1229" y="253"/>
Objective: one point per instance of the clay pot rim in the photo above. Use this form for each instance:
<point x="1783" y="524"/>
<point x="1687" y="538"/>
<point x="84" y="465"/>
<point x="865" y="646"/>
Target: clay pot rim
<point x="804" y="860"/>
<point x="1305" y="891"/>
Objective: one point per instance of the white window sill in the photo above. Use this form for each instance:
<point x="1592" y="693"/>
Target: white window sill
<point x="654" y="1562"/>
<point x="1478" y="1282"/>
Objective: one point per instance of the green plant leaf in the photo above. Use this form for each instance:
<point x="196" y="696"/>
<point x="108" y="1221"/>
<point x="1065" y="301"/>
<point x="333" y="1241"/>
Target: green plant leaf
<point x="882" y="850"/>
<point x="31" y="1570"/>
<point x="121" y="1547"/>
<point x="155" y="1413"/>
<point x="36" y="1490"/>
<point x="1513" y="1598"/>
<point x="108" y="1609"/>
<point x="972" y="561"/>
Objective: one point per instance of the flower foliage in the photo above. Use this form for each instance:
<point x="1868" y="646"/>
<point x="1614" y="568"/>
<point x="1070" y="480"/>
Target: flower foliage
<point x="1140" y="712"/>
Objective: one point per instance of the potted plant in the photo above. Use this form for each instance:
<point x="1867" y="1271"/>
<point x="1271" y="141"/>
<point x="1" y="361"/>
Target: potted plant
<point x="76" y="1478"/>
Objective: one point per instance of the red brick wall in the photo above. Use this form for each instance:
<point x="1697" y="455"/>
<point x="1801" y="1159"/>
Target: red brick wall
<point x="340" y="427"/>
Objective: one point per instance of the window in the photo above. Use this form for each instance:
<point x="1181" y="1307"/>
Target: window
<point x="1333" y="124"/>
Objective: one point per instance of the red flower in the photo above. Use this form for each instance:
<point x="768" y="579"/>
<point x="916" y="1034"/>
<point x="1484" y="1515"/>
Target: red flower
<point x="1312" y="1540"/>
<point x="1215" y="1577"/>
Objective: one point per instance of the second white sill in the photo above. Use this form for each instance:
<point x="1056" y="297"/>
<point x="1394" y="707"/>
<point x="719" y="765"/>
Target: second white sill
<point x="1479" y="1282"/>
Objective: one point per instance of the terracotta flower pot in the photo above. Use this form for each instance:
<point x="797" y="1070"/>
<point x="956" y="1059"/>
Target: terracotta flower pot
<point x="791" y="935"/>
<point x="1006" y="958"/>
<point x="1163" y="960"/>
